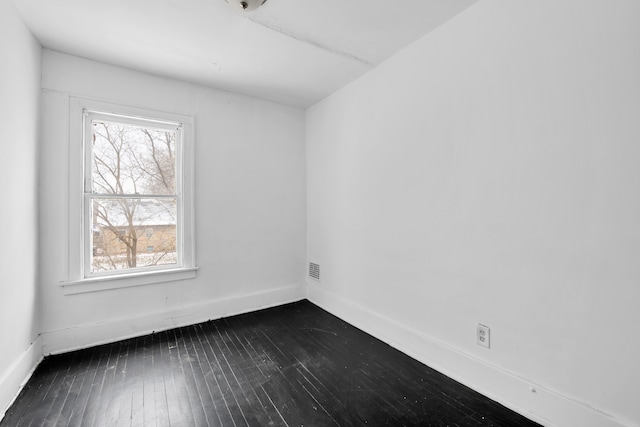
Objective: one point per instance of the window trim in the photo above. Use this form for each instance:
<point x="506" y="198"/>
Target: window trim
<point x="78" y="278"/>
<point x="127" y="280"/>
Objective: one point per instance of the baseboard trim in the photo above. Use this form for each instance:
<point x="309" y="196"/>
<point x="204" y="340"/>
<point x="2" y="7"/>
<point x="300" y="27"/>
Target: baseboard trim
<point x="84" y="336"/>
<point x="16" y="376"/>
<point x="536" y="402"/>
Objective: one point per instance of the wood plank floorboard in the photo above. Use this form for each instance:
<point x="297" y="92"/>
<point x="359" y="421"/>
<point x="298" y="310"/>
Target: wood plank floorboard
<point x="293" y="365"/>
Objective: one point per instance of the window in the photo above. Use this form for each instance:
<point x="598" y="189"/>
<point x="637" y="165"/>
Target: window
<point x="131" y="187"/>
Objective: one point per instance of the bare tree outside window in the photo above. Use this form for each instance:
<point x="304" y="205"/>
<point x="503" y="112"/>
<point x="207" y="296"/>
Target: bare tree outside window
<point x="133" y="196"/>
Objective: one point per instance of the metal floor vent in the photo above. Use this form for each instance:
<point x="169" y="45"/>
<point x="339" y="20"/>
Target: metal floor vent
<point x="314" y="271"/>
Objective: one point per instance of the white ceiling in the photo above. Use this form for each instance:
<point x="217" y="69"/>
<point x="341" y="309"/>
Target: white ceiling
<point x="291" y="51"/>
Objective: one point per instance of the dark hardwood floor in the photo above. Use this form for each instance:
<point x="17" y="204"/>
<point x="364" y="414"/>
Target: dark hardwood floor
<point x="292" y="365"/>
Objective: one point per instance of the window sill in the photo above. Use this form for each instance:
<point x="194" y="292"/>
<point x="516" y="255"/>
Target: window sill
<point x="105" y="283"/>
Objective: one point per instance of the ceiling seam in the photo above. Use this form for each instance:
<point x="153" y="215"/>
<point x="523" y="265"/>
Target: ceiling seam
<point x="310" y="42"/>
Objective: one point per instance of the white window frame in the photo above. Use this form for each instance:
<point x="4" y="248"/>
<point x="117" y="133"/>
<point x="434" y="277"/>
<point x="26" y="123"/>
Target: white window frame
<point x="80" y="279"/>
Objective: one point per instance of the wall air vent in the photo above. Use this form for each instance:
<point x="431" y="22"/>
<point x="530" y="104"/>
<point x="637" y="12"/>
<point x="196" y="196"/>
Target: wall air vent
<point x="314" y="271"/>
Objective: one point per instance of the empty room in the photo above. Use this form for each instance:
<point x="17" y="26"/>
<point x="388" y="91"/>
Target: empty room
<point x="320" y="213"/>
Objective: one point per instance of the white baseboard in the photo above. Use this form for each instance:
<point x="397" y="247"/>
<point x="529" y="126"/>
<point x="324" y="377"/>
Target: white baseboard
<point x="543" y="405"/>
<point x="16" y="376"/>
<point x="83" y="336"/>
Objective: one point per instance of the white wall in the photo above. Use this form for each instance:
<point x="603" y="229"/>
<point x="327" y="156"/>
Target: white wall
<point x="249" y="206"/>
<point x="19" y="92"/>
<point x="489" y="173"/>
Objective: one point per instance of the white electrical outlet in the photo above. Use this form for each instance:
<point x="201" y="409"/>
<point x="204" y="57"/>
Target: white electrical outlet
<point x="483" y="335"/>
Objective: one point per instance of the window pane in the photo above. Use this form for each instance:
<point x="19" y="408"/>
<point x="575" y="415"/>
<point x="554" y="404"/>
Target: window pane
<point x="132" y="233"/>
<point x="130" y="159"/>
